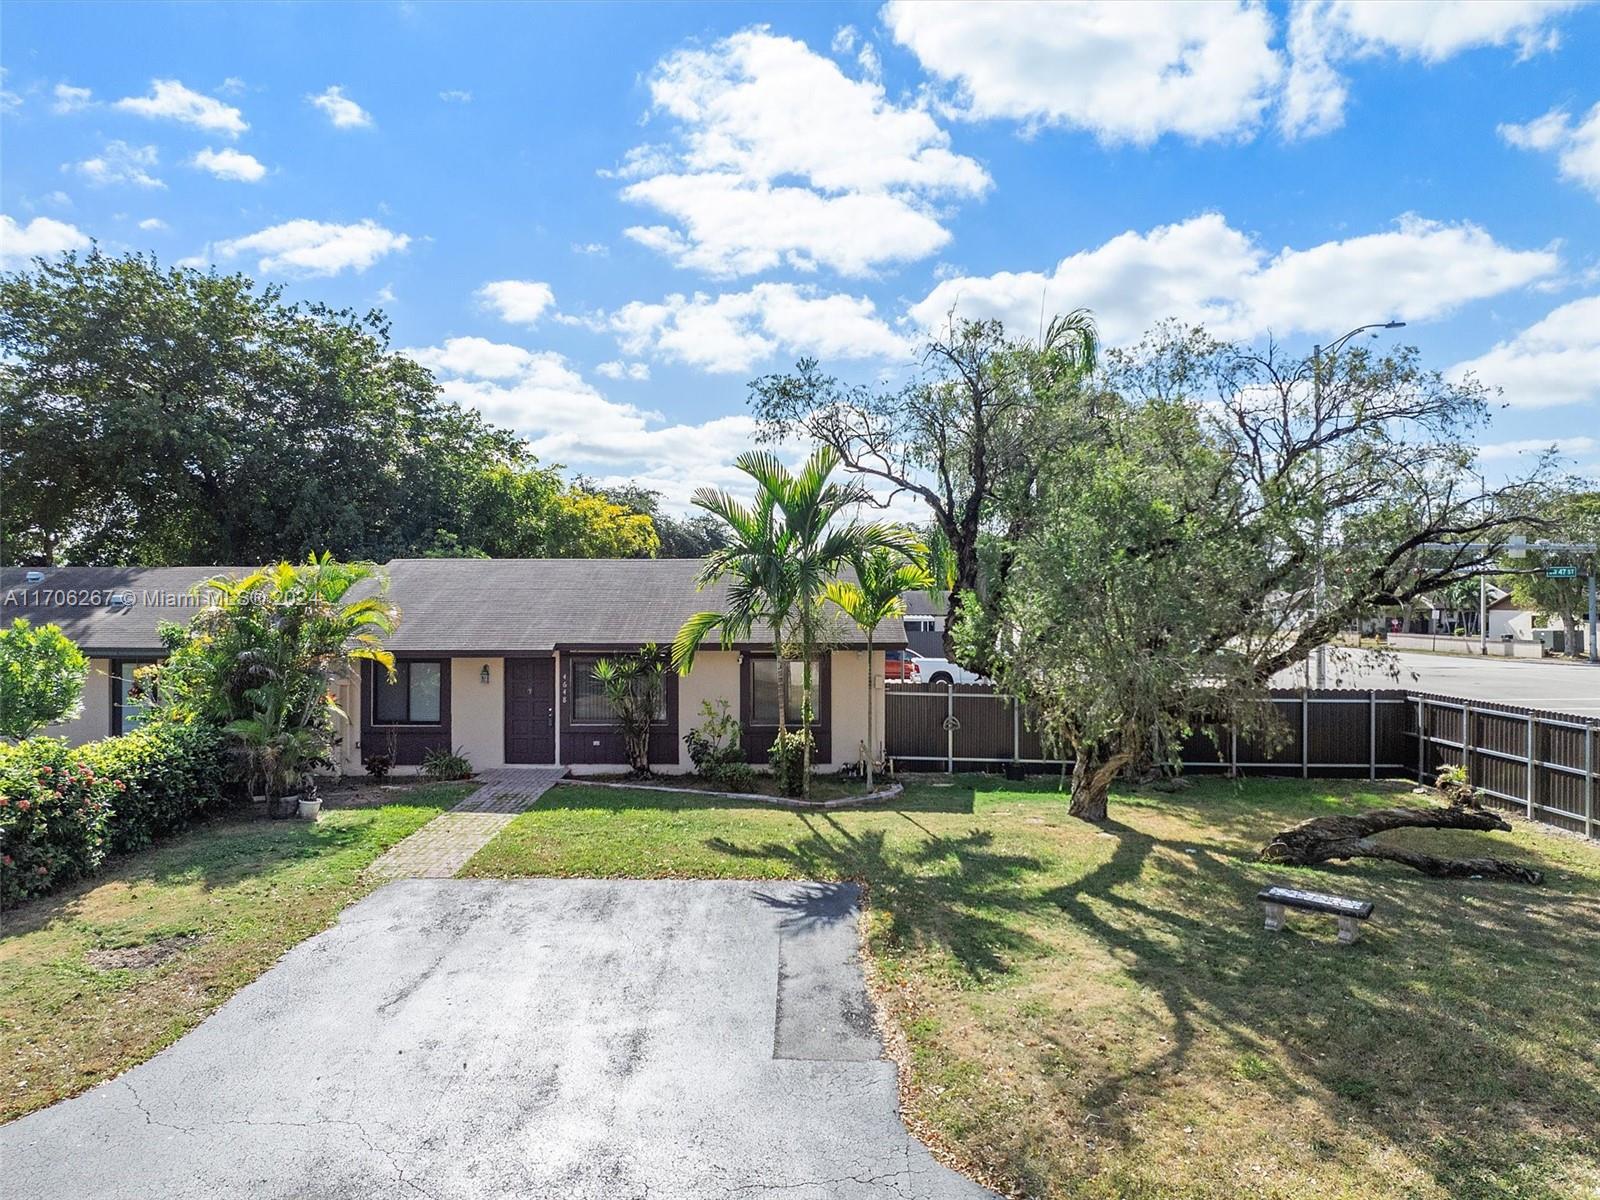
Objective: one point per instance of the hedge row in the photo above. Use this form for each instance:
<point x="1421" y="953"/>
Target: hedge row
<point x="64" y="808"/>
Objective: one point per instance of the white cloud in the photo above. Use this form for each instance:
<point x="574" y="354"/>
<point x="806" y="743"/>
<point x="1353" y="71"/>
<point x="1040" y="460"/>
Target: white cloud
<point x="228" y="163"/>
<point x="170" y="100"/>
<point x="1575" y="144"/>
<point x="474" y="357"/>
<point x="1555" y="361"/>
<point x="71" y="99"/>
<point x="518" y="301"/>
<point x="1203" y="270"/>
<point x="567" y="420"/>
<point x="599" y="249"/>
<point x="455" y="96"/>
<point x="40" y="236"/>
<point x="1125" y="72"/>
<point x="734" y="331"/>
<point x="344" y="112"/>
<point x="307" y="247"/>
<point x="1323" y="33"/>
<point x="637" y="371"/>
<point x="152" y="225"/>
<point x="121" y="163"/>
<point x="781" y="158"/>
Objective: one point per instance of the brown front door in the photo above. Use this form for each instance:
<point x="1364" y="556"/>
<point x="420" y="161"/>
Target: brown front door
<point x="530" y="710"/>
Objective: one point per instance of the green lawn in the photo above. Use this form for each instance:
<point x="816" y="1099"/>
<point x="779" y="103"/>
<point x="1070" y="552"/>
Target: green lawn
<point x="101" y="976"/>
<point x="1098" y="1013"/>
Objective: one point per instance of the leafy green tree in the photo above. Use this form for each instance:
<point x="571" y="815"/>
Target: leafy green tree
<point x="783" y="552"/>
<point x="969" y="437"/>
<point x="877" y="594"/>
<point x="635" y="685"/>
<point x="1220" y="514"/>
<point x="153" y="416"/>
<point x="680" y="537"/>
<point x="1571" y="517"/>
<point x="41" y="678"/>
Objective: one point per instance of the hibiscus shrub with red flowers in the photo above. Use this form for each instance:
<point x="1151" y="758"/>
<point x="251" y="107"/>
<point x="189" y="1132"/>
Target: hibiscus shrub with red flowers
<point x="63" y="809"/>
<point x="54" y="810"/>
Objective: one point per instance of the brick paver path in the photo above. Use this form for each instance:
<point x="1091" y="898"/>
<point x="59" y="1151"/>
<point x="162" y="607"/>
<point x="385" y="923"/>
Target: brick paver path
<point x="442" y="847"/>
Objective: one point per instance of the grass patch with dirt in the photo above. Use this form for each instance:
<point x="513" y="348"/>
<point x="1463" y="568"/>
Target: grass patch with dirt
<point x="1096" y="1013"/>
<point x="101" y="976"/>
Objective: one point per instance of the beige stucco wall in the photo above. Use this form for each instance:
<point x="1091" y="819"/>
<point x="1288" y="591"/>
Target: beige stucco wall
<point x="715" y="677"/>
<point x="478" y="710"/>
<point x="347" y="694"/>
<point x="849" y="702"/>
<point x="94" y="722"/>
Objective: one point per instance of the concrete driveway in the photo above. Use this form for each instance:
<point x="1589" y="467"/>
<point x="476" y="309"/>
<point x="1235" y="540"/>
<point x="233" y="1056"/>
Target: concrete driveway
<point x="536" y="1038"/>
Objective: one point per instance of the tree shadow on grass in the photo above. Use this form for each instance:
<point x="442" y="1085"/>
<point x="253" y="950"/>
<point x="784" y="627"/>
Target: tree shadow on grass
<point x="1430" y="1034"/>
<point x="920" y="796"/>
<point x="942" y="891"/>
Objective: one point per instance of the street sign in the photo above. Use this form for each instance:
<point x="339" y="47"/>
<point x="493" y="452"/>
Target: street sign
<point x="1561" y="572"/>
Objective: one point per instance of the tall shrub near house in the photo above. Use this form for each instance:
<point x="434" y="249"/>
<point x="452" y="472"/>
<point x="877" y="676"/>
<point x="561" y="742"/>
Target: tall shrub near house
<point x="41" y="678"/>
<point x="635" y="685"/>
<point x="261" y="660"/>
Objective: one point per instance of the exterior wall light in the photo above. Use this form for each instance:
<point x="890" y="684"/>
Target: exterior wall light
<point x="483" y="675"/>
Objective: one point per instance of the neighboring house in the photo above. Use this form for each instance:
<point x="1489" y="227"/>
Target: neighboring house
<point x="493" y="656"/>
<point x="924" y="623"/>
<point x="1433" y="616"/>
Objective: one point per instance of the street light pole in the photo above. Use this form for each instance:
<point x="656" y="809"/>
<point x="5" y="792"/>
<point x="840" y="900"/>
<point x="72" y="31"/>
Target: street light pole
<point x="1320" y="593"/>
<point x="1483" y="582"/>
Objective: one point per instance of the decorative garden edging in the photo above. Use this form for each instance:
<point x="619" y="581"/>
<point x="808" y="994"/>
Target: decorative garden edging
<point x="888" y="793"/>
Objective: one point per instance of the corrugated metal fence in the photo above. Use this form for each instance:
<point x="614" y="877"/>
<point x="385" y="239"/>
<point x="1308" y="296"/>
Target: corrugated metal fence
<point x="1541" y="764"/>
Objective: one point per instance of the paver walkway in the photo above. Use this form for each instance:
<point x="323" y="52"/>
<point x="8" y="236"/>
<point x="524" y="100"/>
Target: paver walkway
<point x="442" y="847"/>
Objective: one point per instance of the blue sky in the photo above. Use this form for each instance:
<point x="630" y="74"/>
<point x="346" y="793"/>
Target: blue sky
<point x="598" y="223"/>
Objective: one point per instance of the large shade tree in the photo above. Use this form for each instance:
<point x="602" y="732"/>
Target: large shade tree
<point x="968" y="436"/>
<point x="1219" y="513"/>
<point x="166" y="415"/>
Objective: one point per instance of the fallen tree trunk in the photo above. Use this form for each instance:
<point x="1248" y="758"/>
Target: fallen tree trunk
<point x="1322" y="839"/>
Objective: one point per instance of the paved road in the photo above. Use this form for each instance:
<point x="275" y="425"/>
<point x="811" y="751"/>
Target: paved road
<point x="1565" y="687"/>
<point x="537" y="1038"/>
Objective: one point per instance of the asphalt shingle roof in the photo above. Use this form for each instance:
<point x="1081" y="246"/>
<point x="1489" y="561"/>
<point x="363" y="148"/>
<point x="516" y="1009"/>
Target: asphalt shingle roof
<point x="80" y="601"/>
<point x="459" y="606"/>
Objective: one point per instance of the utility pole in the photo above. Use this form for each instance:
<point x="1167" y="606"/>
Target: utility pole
<point x="1320" y="591"/>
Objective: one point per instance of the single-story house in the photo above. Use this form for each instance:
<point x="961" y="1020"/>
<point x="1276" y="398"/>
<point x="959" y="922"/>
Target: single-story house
<point x="494" y="657"/>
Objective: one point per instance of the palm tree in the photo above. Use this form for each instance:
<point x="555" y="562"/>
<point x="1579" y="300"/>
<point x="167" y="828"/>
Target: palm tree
<point x="783" y="551"/>
<point x="883" y="577"/>
<point x="264" y="655"/>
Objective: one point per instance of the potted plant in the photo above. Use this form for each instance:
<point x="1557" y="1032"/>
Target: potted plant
<point x="310" y="800"/>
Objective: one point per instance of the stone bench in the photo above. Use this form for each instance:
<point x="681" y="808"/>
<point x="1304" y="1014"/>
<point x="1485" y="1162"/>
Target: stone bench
<point x="1276" y="900"/>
